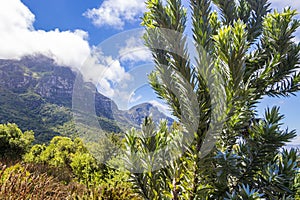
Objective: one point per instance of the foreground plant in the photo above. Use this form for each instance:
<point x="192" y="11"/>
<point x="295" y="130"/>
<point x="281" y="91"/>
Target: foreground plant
<point x="243" y="55"/>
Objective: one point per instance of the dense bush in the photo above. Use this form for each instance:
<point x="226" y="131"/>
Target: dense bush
<point x="13" y="142"/>
<point x="70" y="162"/>
<point x="70" y="155"/>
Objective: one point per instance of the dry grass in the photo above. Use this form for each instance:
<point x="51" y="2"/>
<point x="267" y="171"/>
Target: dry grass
<point x="19" y="184"/>
<point x="32" y="182"/>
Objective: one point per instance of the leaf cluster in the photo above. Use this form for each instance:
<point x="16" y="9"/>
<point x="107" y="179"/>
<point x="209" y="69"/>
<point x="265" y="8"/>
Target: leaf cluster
<point x="244" y="53"/>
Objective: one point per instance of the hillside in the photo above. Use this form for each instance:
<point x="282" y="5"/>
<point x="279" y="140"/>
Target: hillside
<point x="36" y="94"/>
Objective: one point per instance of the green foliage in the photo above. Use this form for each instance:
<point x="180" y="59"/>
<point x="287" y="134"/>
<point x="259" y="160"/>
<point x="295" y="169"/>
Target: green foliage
<point x="246" y="54"/>
<point x="85" y="168"/>
<point x="297" y="185"/>
<point x="105" y="148"/>
<point x="67" y="154"/>
<point x="28" y="182"/>
<point x="244" y="192"/>
<point x="30" y="112"/>
<point x="34" y="153"/>
<point x="147" y="152"/>
<point x="60" y="151"/>
<point x="69" y="161"/>
<point x="13" y="142"/>
<point x="115" y="185"/>
<point x="254" y="168"/>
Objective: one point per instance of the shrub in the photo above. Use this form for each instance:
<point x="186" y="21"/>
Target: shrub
<point x="13" y="142"/>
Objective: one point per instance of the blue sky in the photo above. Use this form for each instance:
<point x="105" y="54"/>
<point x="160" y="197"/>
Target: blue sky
<point x="68" y="15"/>
<point x="70" y="31"/>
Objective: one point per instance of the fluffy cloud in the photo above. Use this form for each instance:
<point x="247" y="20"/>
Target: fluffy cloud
<point x="68" y="48"/>
<point x="135" y="51"/>
<point x="113" y="81"/>
<point x="116" y="13"/>
<point x="18" y="37"/>
<point x="109" y="75"/>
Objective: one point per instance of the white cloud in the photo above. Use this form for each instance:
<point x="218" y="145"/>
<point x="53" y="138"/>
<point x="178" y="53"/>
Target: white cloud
<point x="135" y="51"/>
<point x="116" y="13"/>
<point x="109" y="75"/>
<point x="104" y="70"/>
<point x="18" y="37"/>
<point x="133" y="98"/>
<point x="68" y="48"/>
<point x="279" y="4"/>
<point x="113" y="81"/>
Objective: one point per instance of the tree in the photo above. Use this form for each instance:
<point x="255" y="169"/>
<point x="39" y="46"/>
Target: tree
<point x="244" y="53"/>
<point x="13" y="142"/>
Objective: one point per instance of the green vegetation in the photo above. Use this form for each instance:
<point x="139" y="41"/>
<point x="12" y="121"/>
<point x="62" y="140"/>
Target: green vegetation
<point x="63" y="169"/>
<point x="37" y="95"/>
<point x="13" y="142"/>
<point x="218" y="150"/>
<point x="252" y="169"/>
<point x="297" y="185"/>
<point x="243" y="55"/>
<point x="22" y="182"/>
<point x="70" y="155"/>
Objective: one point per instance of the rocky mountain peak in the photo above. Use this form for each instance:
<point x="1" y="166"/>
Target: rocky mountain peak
<point x="37" y="94"/>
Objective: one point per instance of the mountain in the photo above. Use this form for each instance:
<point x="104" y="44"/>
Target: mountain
<point x="137" y="113"/>
<point x="36" y="94"/>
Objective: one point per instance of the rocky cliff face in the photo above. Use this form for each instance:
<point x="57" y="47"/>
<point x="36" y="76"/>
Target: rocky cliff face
<point x="37" y="94"/>
<point x="15" y="77"/>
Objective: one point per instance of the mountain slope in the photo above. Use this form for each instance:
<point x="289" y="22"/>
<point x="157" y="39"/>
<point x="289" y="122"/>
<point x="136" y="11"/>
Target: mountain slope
<point x="137" y="113"/>
<point x="36" y="94"/>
